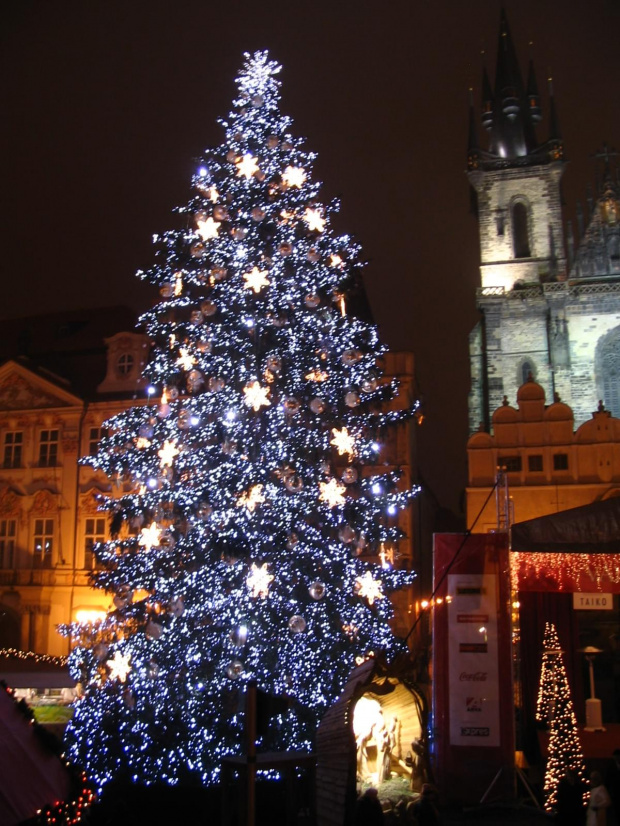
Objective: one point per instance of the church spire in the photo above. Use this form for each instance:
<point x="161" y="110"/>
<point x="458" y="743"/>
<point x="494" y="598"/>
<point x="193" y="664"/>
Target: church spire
<point x="533" y="98"/>
<point x="473" y="149"/>
<point x="512" y="133"/>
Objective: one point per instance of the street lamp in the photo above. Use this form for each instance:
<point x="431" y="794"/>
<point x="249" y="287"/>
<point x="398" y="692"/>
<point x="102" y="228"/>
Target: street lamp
<point x="594" y="714"/>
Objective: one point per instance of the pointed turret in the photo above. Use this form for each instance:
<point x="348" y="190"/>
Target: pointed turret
<point x="533" y="98"/>
<point x="554" y="124"/>
<point x="473" y="149"/>
<point x="487" y="101"/>
<point x="510" y="135"/>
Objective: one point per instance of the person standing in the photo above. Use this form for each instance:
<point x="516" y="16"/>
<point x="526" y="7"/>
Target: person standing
<point x="368" y="811"/>
<point x="570" y="807"/>
<point x="612" y="781"/>
<point x="599" y="801"/>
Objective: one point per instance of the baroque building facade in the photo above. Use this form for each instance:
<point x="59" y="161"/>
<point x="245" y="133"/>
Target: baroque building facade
<point x="549" y="300"/>
<point x="62" y="377"/>
<point x="549" y="466"/>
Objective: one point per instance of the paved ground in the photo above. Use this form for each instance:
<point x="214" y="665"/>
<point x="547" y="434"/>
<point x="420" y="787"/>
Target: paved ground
<point x="518" y="815"/>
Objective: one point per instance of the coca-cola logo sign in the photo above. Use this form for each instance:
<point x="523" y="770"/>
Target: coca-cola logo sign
<point x="475" y="676"/>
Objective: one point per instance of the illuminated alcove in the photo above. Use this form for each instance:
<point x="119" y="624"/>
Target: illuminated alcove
<point x="374" y="733"/>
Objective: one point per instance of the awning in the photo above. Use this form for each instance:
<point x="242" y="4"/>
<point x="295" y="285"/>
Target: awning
<point x="589" y="529"/>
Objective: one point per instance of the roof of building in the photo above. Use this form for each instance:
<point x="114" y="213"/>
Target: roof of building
<point x="69" y="347"/>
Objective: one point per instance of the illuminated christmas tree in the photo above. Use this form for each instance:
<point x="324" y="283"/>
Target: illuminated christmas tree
<point x="546" y="688"/>
<point x="556" y="707"/>
<point x="247" y="497"/>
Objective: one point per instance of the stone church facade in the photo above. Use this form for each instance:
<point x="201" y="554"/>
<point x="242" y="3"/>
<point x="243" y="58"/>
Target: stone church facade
<point x="549" y="300"/>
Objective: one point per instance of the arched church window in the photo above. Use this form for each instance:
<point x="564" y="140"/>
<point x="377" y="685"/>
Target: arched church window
<point x="527" y="371"/>
<point x="520" y="234"/>
<point x="607" y="369"/>
<point x="611" y="381"/>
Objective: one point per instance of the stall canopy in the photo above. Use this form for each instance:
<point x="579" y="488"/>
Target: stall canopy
<point x="577" y="550"/>
<point x="593" y="528"/>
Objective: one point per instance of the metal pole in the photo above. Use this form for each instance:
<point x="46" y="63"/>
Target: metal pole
<point x="250" y="728"/>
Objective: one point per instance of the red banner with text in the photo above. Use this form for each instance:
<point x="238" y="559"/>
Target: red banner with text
<point x="473" y="704"/>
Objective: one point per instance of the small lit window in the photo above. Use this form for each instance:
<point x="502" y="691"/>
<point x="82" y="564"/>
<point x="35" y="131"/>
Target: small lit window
<point x="8" y="530"/>
<point x="94" y="531"/>
<point x="520" y="234"/>
<point x="43" y="543"/>
<point x="95" y="435"/>
<point x="48" y="448"/>
<point x="13" y="443"/>
<point x="560" y="461"/>
<point x="511" y="464"/>
<point x="124" y="365"/>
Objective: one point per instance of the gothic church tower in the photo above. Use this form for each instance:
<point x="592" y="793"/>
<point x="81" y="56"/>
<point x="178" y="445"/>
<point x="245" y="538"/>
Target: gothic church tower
<point x="517" y="190"/>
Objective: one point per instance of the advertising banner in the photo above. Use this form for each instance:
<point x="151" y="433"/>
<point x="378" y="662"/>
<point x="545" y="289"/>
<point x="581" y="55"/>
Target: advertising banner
<point x="473" y="704"/>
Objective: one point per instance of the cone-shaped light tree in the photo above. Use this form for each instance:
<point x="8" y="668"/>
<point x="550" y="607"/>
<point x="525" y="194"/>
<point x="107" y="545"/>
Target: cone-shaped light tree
<point x="556" y="707"/>
<point x="248" y="495"/>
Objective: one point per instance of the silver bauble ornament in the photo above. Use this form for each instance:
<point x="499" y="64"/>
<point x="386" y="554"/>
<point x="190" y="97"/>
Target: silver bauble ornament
<point x="101" y="651"/>
<point x="297" y="624"/>
<point x="346" y="534"/>
<point x="234" y="670"/>
<point x="208" y="307"/>
<point x="216" y="383"/>
<point x="316" y="589"/>
<point x="196" y="317"/>
<point x="153" y="630"/>
<point x="239" y="636"/>
<point x="317" y="405"/>
<point x="177" y="607"/>
<point x="195" y="381"/>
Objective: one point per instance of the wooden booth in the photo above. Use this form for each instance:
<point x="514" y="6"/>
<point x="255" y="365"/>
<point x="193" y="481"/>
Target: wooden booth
<point x="373" y="734"/>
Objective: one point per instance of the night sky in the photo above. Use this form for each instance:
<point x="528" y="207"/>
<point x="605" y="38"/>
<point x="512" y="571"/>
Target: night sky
<point x="106" y="104"/>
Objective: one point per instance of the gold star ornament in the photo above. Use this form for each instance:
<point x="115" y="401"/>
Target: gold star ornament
<point x="208" y="229"/>
<point x="149" y="537"/>
<point x="256" y="280"/>
<point x="247" y="167"/>
<point x="119" y="666"/>
<point x="343" y="441"/>
<point x="294" y="176"/>
<point x="258" y="581"/>
<point x="185" y="360"/>
<point x="369" y="588"/>
<point x="332" y="493"/>
<point x="167" y="453"/>
<point x="256" y="396"/>
<point x="251" y="498"/>
<point x="314" y="219"/>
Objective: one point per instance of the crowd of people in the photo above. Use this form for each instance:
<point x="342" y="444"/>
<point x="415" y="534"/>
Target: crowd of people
<point x="600" y="806"/>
